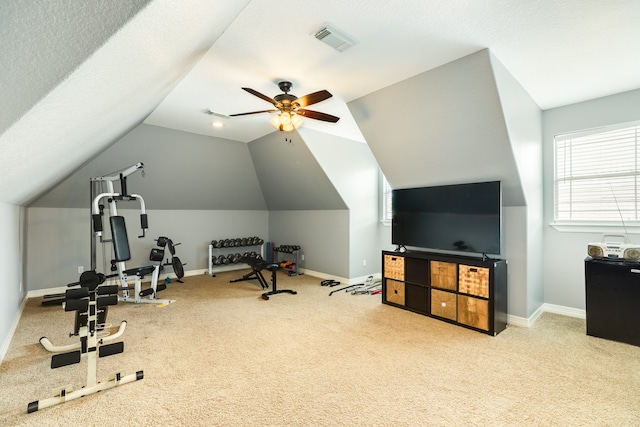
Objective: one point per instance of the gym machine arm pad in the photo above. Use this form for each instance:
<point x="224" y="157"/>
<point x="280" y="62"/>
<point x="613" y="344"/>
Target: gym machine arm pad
<point x="97" y="222"/>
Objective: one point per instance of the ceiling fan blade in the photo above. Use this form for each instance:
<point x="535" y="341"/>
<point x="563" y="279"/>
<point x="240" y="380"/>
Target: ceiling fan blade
<point x="317" y="115"/>
<point x="264" y="97"/>
<point x="253" y="112"/>
<point x="312" y="98"/>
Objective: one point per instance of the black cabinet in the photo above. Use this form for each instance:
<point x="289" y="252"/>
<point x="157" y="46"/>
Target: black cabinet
<point x="467" y="291"/>
<point x="613" y="299"/>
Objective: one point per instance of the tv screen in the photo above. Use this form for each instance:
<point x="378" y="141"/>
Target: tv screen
<point x="460" y="218"/>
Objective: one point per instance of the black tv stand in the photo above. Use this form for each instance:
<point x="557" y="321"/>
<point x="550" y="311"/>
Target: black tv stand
<point x="463" y="290"/>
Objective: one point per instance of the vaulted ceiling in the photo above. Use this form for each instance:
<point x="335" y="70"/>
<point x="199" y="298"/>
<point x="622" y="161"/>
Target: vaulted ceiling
<point x="77" y="76"/>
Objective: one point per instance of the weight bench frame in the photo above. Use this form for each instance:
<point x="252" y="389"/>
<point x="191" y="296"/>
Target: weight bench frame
<point x="257" y="265"/>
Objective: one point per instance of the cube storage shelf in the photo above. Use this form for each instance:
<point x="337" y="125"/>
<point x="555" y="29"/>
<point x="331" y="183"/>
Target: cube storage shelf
<point x="467" y="291"/>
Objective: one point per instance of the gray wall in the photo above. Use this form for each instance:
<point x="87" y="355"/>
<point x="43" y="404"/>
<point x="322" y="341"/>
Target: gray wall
<point x="182" y="171"/>
<point x="323" y="236"/>
<point x="443" y="126"/>
<point x="457" y="131"/>
<point x="564" y="252"/>
<point x="308" y="174"/>
<point x="51" y="229"/>
<point x="354" y="172"/>
<point x="523" y="119"/>
<point x="11" y="286"/>
<point x="196" y="189"/>
<point x="290" y="176"/>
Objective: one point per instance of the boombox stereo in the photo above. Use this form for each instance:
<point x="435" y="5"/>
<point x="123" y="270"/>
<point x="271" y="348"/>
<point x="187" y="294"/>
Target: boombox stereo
<point x="614" y="250"/>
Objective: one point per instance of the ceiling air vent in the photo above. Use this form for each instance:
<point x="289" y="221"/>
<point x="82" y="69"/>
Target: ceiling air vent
<point x="334" y="38"/>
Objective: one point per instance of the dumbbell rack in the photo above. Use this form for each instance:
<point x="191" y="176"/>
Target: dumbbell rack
<point x="233" y="248"/>
<point x="294" y="254"/>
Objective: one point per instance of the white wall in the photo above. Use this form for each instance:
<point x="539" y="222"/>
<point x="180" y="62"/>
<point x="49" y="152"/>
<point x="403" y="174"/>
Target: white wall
<point x="564" y="252"/>
<point x="11" y="286"/>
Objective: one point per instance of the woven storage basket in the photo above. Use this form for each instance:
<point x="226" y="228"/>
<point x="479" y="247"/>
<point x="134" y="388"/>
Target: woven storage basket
<point x="443" y="304"/>
<point x="443" y="275"/>
<point x="473" y="312"/>
<point x="474" y="280"/>
<point x="395" y="292"/>
<point x="394" y="267"/>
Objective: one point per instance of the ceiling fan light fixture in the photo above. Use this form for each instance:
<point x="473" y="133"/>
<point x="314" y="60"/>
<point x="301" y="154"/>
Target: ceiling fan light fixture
<point x="296" y="120"/>
<point x="286" y="121"/>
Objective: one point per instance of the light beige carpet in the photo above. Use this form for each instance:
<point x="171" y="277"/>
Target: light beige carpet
<point x="222" y="356"/>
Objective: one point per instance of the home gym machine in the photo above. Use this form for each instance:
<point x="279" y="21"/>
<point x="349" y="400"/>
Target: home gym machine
<point x="119" y="238"/>
<point x="157" y="254"/>
<point x="89" y="301"/>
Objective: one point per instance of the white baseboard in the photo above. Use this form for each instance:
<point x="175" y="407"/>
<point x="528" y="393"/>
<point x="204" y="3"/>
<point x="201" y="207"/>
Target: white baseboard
<point x="565" y="311"/>
<point x="12" y="330"/>
<point x="528" y="322"/>
<point x="61" y="289"/>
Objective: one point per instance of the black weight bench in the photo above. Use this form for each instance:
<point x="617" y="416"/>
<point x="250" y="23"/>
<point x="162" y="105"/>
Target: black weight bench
<point x="257" y="265"/>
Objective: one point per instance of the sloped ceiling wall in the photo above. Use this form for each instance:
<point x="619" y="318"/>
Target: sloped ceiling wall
<point x="183" y="171"/>
<point x="44" y="41"/>
<point x="444" y="126"/>
<point x="109" y="93"/>
<point x="290" y="176"/>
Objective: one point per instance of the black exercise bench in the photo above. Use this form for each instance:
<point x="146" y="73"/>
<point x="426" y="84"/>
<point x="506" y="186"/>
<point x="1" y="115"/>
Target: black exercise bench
<point x="257" y="265"/>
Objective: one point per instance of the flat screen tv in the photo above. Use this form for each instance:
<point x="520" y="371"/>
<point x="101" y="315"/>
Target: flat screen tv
<point x="458" y="218"/>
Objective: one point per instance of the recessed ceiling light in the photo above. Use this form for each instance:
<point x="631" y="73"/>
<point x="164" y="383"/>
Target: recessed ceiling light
<point x="217" y="124"/>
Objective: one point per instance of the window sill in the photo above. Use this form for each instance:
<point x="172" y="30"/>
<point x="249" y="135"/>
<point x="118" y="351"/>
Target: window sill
<point x="596" y="228"/>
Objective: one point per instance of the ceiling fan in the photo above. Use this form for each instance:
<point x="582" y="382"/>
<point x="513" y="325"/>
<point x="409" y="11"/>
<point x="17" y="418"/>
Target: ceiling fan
<point x="291" y="107"/>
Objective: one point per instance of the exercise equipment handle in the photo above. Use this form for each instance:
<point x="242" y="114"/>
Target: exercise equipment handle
<point x="144" y="223"/>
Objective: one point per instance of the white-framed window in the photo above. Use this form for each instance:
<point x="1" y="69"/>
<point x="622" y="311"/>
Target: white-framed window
<point x="385" y="211"/>
<point x="597" y="177"/>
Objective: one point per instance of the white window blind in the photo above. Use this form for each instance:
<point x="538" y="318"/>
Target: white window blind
<point x="386" y="200"/>
<point x="596" y="176"/>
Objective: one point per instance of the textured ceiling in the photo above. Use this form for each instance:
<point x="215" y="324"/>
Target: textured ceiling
<point x="75" y="78"/>
<point x="561" y="51"/>
<point x="106" y="94"/>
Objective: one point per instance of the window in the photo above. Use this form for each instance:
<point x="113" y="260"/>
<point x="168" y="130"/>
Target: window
<point x="385" y="216"/>
<point x="597" y="177"/>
